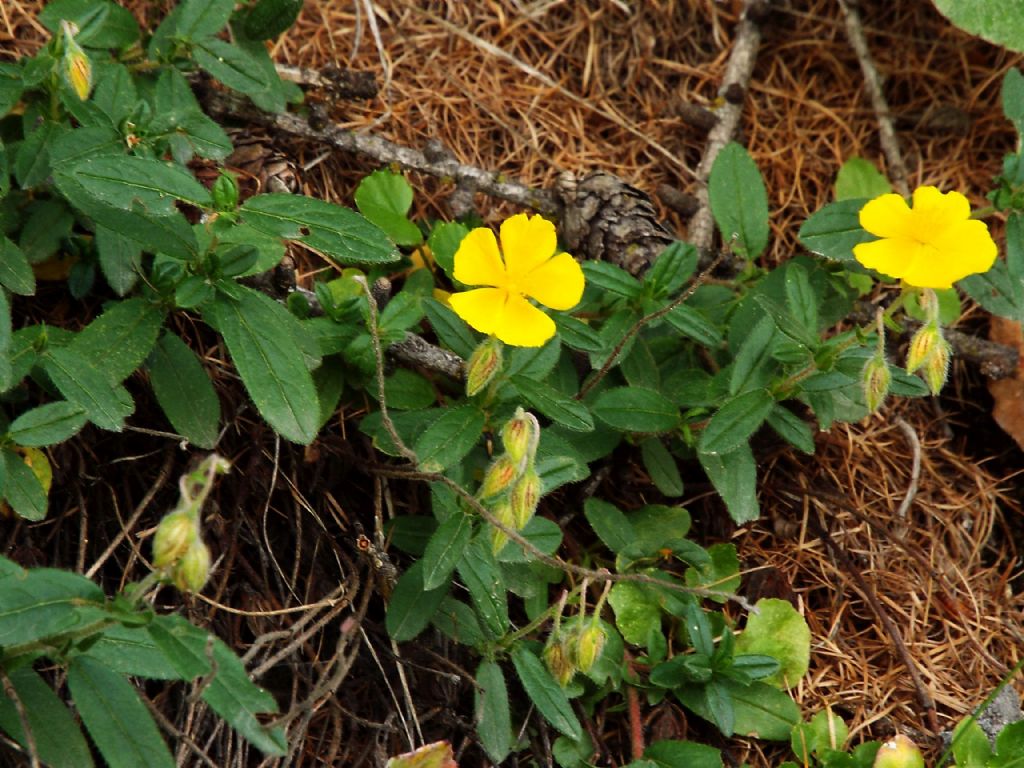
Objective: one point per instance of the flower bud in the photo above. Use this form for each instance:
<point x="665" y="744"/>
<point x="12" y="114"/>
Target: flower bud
<point x="936" y="367"/>
<point x="503" y="514"/>
<point x="875" y="379"/>
<point x="192" y="571"/>
<point x="556" y="657"/>
<point x="519" y="435"/>
<point x="525" y="497"/>
<point x="499" y="476"/>
<point x="922" y="345"/>
<point x="173" y="538"/>
<point x="589" y="644"/>
<point x="483" y="365"/>
<point x="77" y="67"/>
<point x="225" y="192"/>
<point x="899" y="752"/>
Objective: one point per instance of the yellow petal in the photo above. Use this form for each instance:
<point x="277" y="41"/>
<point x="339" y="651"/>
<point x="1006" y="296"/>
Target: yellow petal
<point x="523" y="325"/>
<point x="557" y="283"/>
<point x="891" y="255"/>
<point x="887" y="216"/>
<point x="527" y="242"/>
<point x="966" y="249"/>
<point x="951" y="206"/>
<point x="477" y="261"/>
<point x="481" y="308"/>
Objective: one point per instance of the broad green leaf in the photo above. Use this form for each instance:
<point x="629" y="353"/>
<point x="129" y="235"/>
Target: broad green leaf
<point x="101" y="23"/>
<point x="400" y="314"/>
<point x="274" y="96"/>
<point x="782" y="633"/>
<point x="445" y="548"/>
<point x="183" y="645"/>
<point x="568" y="412"/>
<point x="734" y="423"/>
<point x="1010" y="745"/>
<point x="47" y="424"/>
<point x="384" y="198"/>
<point x="232" y="65"/>
<point x="611" y="278"/>
<point x="407" y="390"/>
<point x="80" y="381"/>
<point x="759" y="711"/>
<point x="115" y="93"/>
<point x="32" y="161"/>
<point x="184" y="391"/>
<point x="860" y="179"/>
<point x="801" y="298"/>
<point x="545" y="693"/>
<point x="56" y="735"/>
<point x="672" y="268"/>
<point x="826" y="730"/>
<point x="479" y="571"/>
<point x="632" y="409"/>
<point x="542" y="533"/>
<point x="752" y="366"/>
<point x="834" y="230"/>
<point x="791" y="428"/>
<point x="1012" y="97"/>
<point x="1001" y="23"/>
<point x="11" y="87"/>
<point x="734" y="476"/>
<point x="23" y="487"/>
<point x="661" y="466"/>
<point x="120" y="259"/>
<point x="411" y="606"/>
<point x="121" y="337"/>
<point x="117" y="721"/>
<point x="491" y="711"/>
<point x="267" y="19"/>
<point x="672" y="753"/>
<point x="459" y="622"/>
<point x="15" y="273"/>
<point x="444" y="241"/>
<point x="971" y="747"/>
<point x="609" y="523"/>
<point x="198" y="19"/>
<point x="44" y="602"/>
<point x="638" y="611"/>
<point x="49" y="222"/>
<point x="720" y="572"/>
<point x="125" y="182"/>
<point x="656" y="526"/>
<point x="451" y="330"/>
<point x="331" y="229"/>
<point x="177" y="115"/>
<point x="131" y="651"/>
<point x="260" y="335"/>
<point x="739" y="202"/>
<point x="450" y="437"/>
<point x="576" y="334"/>
<point x="694" y="325"/>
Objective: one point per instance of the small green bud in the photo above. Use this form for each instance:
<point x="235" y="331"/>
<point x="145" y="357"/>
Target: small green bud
<point x="504" y="515"/>
<point x="936" y="367"/>
<point x="875" y="379"/>
<point x="519" y="435"/>
<point x="899" y="752"/>
<point x="524" y="497"/>
<point x="225" y="191"/>
<point x="77" y="67"/>
<point x="589" y="644"/>
<point x="174" y="535"/>
<point x="557" y="658"/>
<point x="192" y="571"/>
<point x="499" y="476"/>
<point x="483" y="365"/>
<point x="922" y="345"/>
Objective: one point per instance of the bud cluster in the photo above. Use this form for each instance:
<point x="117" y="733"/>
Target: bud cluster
<point x="511" y="486"/>
<point x="576" y="648"/>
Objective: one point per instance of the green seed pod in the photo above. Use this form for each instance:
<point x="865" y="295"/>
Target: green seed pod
<point x="519" y="436"/>
<point x="174" y="535"/>
<point x="192" y="571"/>
<point x="899" y="752"/>
<point x="499" y="476"/>
<point x="502" y="511"/>
<point x="875" y="379"/>
<point x="525" y="497"/>
<point x="483" y="365"/>
<point x="589" y="644"/>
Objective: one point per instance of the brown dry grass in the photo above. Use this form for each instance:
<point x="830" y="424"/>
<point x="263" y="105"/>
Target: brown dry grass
<point x="533" y="87"/>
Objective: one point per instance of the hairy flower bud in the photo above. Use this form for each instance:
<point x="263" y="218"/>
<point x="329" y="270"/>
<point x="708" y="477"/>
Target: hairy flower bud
<point x="922" y="345"/>
<point x="936" y="367"/>
<point x="557" y="658"/>
<point x="499" y="476"/>
<point x="525" y="497"/>
<point x="173" y="538"/>
<point x="76" y="64"/>
<point x="504" y="515"/>
<point x="899" y="752"/>
<point x="192" y="571"/>
<point x="519" y="435"/>
<point x="483" y="365"/>
<point x="875" y="379"/>
<point x="589" y="644"/>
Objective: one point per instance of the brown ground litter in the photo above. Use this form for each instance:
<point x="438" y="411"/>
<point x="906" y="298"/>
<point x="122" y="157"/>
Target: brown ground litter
<point x="530" y="88"/>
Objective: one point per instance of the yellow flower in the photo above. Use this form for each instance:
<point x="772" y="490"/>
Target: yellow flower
<point x="930" y="245"/>
<point x="530" y="268"/>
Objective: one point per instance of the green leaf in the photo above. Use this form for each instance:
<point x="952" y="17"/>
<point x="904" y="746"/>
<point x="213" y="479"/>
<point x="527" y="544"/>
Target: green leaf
<point x="121" y="337"/>
<point x="57" y="737"/>
<point x="449" y="438"/>
<point x="407" y="390"/>
<point x="1012" y="97"/>
<point x="384" y="198"/>
<point x="179" y="118"/>
<point x="232" y="65"/>
<point x="759" y="711"/>
<point x="47" y="424"/>
<point x="576" y="334"/>
<point x="997" y="21"/>
<point x="545" y="693"/>
<point x="444" y="241"/>
<point x="656" y="526"/>
<point x="777" y="630"/>
<point x="802" y="300"/>
<point x="120" y="259"/>
<point x="611" y="278"/>
<point x="49" y="222"/>
<point x="331" y="229"/>
<point x="734" y="476"/>
<point x="260" y="335"/>
<point x="11" y="87"/>
<point x="22" y="488"/>
<point x="126" y="182"/>
<point x="401" y="313"/>
<point x="694" y="325"/>
<point x="672" y="753"/>
<point x="568" y="412"/>
<point x="661" y="466"/>
<point x="672" y="268"/>
<point x="834" y="230"/>
<point x="44" y="602"/>
<point x="32" y="162"/>
<point x="859" y="179"/>
<point x="131" y="651"/>
<point x="734" y="423"/>
<point x="638" y="611"/>
<point x="202" y="18"/>
<point x="1010" y="745"/>
<point x="101" y="23"/>
<point x="479" y="571"/>
<point x="15" y="273"/>
<point x="81" y="382"/>
<point x="609" y="523"/>
<point x="411" y="606"/>
<point x="791" y="428"/>
<point x="971" y="747"/>
<point x="267" y="19"/>
<point x="117" y="721"/>
<point x="542" y="533"/>
<point x="826" y="730"/>
<point x="739" y="201"/>
<point x="184" y="391"/>
<point x="459" y="622"/>
<point x="632" y="409"/>
<point x="451" y="330"/>
<point x="491" y="711"/>
<point x="720" y="572"/>
<point x="445" y="549"/>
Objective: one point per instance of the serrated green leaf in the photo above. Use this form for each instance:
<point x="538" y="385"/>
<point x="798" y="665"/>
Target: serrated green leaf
<point x="47" y="424"/>
<point x="734" y="476"/>
<point x="260" y="335"/>
<point x="120" y="259"/>
<point x="407" y="390"/>
<point x="545" y="693"/>
<point x="451" y="330"/>
<point x="458" y="621"/>
<point x="450" y="437"/>
<point x="569" y="413"/>
<point x="176" y="113"/>
<point x="184" y="391"/>
<point x="611" y="278"/>
<point x="672" y="753"/>
<point x="694" y="325"/>
<point x="339" y="232"/>
<point x="231" y="64"/>
<point x="672" y="268"/>
<point x="491" y="711"/>
<point x="80" y="381"/>
<point x="115" y="93"/>
<point x="11" y="87"/>
<point x="753" y="357"/>
<point x="732" y="425"/>
<point x="15" y="273"/>
<point x="834" y="230"/>
<point x="759" y="711"/>
<point x="131" y="651"/>
<point x="58" y="739"/>
<point x="661" y="466"/>
<point x="125" y="182"/>
<point x="445" y="549"/>
<point x="32" y="162"/>
<point x="632" y="409"/>
<point x="479" y="571"/>
<point x="860" y="179"/>
<point x="411" y="607"/>
<point x="998" y="22"/>
<point x="22" y="488"/>
<point x="121" y="337"/>
<point x="576" y="334"/>
<point x="100" y="23"/>
<point x="267" y="19"/>
<point x="791" y="428"/>
<point x="384" y="198"/>
<point x="117" y="721"/>
<point x="739" y="201"/>
<point x="43" y="602"/>
<point x="202" y="18"/>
